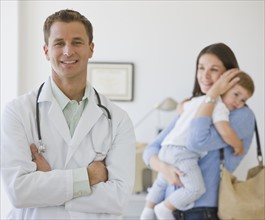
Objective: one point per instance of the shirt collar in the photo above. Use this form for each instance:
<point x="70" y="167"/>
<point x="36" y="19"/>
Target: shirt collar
<point x="61" y="98"/>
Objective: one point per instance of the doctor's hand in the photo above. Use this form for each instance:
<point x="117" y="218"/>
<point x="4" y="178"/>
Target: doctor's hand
<point x="97" y="172"/>
<point x="41" y="162"/>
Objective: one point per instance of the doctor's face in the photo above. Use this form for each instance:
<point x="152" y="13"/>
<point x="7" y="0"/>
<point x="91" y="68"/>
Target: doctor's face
<point x="68" y="50"/>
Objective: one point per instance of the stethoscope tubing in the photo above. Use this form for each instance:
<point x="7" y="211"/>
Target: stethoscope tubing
<point x="42" y="147"/>
<point x="38" y="113"/>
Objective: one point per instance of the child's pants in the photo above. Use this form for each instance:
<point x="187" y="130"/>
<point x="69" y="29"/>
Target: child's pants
<point x="193" y="184"/>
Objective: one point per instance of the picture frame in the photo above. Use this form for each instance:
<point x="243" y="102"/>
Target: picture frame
<point x="114" y="80"/>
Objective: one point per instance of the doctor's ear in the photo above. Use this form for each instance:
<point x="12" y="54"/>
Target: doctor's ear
<point x="91" y="47"/>
<point x="45" y="49"/>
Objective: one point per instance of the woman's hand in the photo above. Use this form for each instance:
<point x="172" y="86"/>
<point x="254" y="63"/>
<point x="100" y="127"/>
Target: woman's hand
<point x="224" y="83"/>
<point x="172" y="175"/>
<point x="170" y="172"/>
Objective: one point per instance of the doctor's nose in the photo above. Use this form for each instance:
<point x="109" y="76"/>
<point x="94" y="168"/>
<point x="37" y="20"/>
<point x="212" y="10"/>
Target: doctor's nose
<point x="68" y="51"/>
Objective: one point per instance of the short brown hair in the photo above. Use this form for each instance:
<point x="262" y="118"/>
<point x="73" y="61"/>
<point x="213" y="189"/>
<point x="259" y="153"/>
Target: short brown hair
<point x="246" y="82"/>
<point x="67" y="16"/>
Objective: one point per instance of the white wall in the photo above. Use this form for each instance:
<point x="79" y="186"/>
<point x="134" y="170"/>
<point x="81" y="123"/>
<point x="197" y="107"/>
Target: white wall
<point x="9" y="68"/>
<point x="162" y="39"/>
<point x="9" y="51"/>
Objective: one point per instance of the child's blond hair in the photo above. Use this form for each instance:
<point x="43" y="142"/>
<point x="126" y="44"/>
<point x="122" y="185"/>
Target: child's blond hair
<point x="246" y="82"/>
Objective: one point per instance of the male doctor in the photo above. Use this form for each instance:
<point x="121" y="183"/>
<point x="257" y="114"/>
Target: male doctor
<point x="85" y="167"/>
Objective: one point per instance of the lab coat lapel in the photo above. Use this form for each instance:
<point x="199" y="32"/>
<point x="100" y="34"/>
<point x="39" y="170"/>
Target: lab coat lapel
<point x="54" y="112"/>
<point x="89" y="117"/>
<point x="59" y="122"/>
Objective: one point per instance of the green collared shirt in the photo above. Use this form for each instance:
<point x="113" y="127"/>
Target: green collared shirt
<point x="72" y="111"/>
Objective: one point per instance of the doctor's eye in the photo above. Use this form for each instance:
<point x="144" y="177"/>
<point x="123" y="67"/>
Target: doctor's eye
<point x="77" y="42"/>
<point x="58" y="43"/>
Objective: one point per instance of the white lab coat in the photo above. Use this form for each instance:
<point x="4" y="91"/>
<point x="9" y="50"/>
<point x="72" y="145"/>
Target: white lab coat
<point x="49" y="195"/>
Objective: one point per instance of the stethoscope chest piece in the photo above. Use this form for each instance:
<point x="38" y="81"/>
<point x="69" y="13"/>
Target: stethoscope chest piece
<point x="42" y="148"/>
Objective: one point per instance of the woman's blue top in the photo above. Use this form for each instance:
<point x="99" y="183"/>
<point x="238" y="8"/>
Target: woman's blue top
<point x="204" y="137"/>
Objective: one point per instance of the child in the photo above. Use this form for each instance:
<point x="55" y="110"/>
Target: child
<point x="174" y="152"/>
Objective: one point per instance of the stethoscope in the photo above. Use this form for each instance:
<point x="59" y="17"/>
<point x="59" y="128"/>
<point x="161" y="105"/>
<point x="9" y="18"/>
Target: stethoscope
<point x="106" y="112"/>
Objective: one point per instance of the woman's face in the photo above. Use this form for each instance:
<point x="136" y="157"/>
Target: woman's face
<point x="209" y="69"/>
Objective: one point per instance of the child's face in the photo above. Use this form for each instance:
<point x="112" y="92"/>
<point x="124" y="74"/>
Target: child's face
<point x="235" y="97"/>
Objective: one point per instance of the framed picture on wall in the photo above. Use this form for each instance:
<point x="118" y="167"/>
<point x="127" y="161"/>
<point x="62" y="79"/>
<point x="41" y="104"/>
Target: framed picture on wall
<point x="114" y="80"/>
